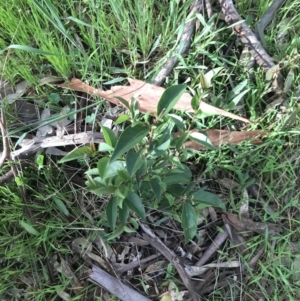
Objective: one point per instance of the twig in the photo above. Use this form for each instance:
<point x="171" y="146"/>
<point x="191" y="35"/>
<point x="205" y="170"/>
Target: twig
<point x="183" y="46"/>
<point x="115" y="286"/>
<point x="35" y="144"/>
<point x="268" y="16"/>
<point x="246" y="35"/>
<point x="134" y="264"/>
<point x="171" y="257"/>
<point x="215" y="245"/>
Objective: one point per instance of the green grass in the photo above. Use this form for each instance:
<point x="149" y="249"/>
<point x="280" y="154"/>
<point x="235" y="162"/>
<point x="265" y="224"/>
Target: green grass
<point x="103" y="41"/>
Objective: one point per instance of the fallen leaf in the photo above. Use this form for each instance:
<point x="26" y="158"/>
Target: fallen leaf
<point x="68" y="273"/>
<point x="7" y="91"/>
<point x="147" y="96"/>
<point x="219" y="137"/>
<point x="247" y="224"/>
<point x="229" y="184"/>
<point x="81" y="245"/>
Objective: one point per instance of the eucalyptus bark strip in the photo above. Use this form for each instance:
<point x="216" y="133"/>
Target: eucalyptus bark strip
<point x="246" y="35"/>
<point x="183" y="46"/>
<point x="268" y="16"/>
<point x="114" y="286"/>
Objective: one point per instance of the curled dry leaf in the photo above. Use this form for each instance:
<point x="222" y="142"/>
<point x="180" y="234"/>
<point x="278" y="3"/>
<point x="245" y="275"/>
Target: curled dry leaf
<point x="247" y="224"/>
<point x="12" y="94"/>
<point x="81" y="245"/>
<point x="68" y="273"/>
<point x="219" y="137"/>
<point x="147" y="95"/>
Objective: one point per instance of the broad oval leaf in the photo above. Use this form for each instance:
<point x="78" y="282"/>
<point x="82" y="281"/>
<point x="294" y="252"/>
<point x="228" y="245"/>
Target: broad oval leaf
<point x="104" y="147"/>
<point x="123" y="213"/>
<point x="180" y="141"/>
<point x="128" y="139"/>
<point x="133" y="162"/>
<point x="204" y="197"/>
<point x="109" y="136"/>
<point x="111" y="212"/>
<point x="112" y="170"/>
<point x="188" y="221"/>
<point x="104" y="190"/>
<point x="178" y="121"/>
<point x="157" y="189"/>
<point x="202" y="139"/>
<point x="134" y="202"/>
<point x="169" y="99"/>
<point x="122" y="118"/>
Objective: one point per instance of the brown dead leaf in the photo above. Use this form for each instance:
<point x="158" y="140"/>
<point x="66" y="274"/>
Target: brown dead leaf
<point x="147" y="96"/>
<point x="219" y="137"/>
<point x="247" y="224"/>
<point x="68" y="273"/>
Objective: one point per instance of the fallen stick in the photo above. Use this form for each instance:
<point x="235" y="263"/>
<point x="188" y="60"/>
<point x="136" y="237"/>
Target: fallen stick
<point x="114" y="286"/>
<point x="246" y="35"/>
<point x="31" y="146"/>
<point x="183" y="46"/>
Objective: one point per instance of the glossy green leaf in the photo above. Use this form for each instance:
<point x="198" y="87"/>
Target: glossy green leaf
<point x="156" y="188"/>
<point x="104" y="190"/>
<point x="189" y="221"/>
<point x="195" y="102"/>
<point x="124" y="213"/>
<point x="128" y="139"/>
<point x="116" y="233"/>
<point x="133" y="162"/>
<point x="129" y="230"/>
<point x="109" y="136"/>
<point x="177" y="176"/>
<point x="122" y="118"/>
<point x="61" y="206"/>
<point x="111" y="212"/>
<point x="202" y="139"/>
<point x="162" y="139"/>
<point x="204" y="197"/>
<point x="134" y="223"/>
<point x="180" y="141"/>
<point x="78" y="153"/>
<point x="178" y="121"/>
<point x="123" y="175"/>
<point x="134" y="202"/>
<point x="123" y="101"/>
<point x="103" y="167"/>
<point x="104" y="147"/>
<point x="29" y="228"/>
<point x="169" y="99"/>
<point x="112" y="170"/>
